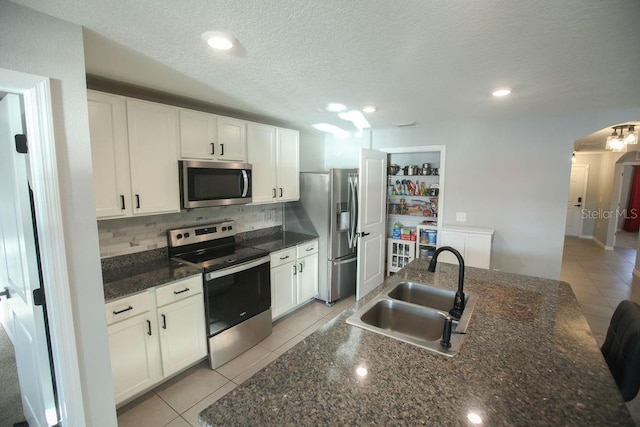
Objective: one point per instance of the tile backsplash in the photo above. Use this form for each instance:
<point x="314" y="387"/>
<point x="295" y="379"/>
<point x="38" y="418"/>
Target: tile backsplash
<point x="138" y="234"/>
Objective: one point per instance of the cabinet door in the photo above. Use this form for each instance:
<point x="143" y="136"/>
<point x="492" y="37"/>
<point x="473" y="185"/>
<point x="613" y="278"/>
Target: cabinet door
<point x="198" y="135"/>
<point x="182" y="333"/>
<point x="307" y="278"/>
<point x="153" y="150"/>
<point x="110" y="155"/>
<point x="261" y="147"/>
<point x="135" y="355"/>
<point x="478" y="251"/>
<point x="283" y="289"/>
<point x="232" y="139"/>
<point x="288" y="165"/>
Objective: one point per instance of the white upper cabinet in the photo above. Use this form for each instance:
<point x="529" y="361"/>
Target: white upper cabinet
<point x="198" y="135"/>
<point x="288" y="164"/>
<point x="274" y="154"/>
<point x="153" y="152"/>
<point x="232" y="139"/>
<point x="134" y="147"/>
<point x="261" y="148"/>
<point x="110" y="155"/>
<point x="210" y="137"/>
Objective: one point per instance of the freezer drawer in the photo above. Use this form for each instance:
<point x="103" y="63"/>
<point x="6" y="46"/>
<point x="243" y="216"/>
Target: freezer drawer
<point x="342" y="278"/>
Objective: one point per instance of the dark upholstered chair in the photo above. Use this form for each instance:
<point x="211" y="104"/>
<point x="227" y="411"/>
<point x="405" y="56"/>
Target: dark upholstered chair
<point x="621" y="348"/>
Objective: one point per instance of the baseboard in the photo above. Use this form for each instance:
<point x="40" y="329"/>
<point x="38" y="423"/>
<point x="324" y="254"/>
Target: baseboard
<point x="606" y="248"/>
<point x="583" y="236"/>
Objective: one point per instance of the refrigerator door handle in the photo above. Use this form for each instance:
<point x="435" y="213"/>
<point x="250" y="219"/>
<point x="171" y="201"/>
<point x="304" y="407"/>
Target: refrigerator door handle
<point x="352" y="205"/>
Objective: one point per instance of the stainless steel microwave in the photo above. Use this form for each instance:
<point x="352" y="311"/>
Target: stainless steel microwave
<point x="204" y="183"/>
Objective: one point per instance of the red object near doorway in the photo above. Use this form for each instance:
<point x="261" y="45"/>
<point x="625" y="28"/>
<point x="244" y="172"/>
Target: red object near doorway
<point x="632" y="217"/>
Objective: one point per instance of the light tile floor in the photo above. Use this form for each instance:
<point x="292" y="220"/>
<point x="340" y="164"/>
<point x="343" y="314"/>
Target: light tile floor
<point x="601" y="279"/>
<point x="177" y="402"/>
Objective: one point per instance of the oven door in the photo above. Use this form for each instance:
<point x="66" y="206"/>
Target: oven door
<point x="205" y="184"/>
<point x="235" y="294"/>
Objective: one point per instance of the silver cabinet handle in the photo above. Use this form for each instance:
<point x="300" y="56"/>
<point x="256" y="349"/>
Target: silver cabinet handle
<point x="300" y="268"/>
<point x="213" y="148"/>
<point x="295" y="272"/>
<point x="148" y="327"/>
<point x="182" y="291"/>
<point x="284" y="257"/>
<point x="164" y="321"/>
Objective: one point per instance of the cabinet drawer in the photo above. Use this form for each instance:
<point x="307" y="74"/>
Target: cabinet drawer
<point x="308" y="248"/>
<point x="179" y="290"/>
<point x="128" y="307"/>
<point x="282" y="257"/>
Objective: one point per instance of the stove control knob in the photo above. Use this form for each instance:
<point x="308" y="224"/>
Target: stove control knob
<point x="229" y="228"/>
<point x="215" y="230"/>
<point x="224" y="228"/>
<point x="179" y="236"/>
<point x="186" y="235"/>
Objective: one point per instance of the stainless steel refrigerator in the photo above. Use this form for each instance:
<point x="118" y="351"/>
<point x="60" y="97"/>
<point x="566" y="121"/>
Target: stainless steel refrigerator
<point x="328" y="208"/>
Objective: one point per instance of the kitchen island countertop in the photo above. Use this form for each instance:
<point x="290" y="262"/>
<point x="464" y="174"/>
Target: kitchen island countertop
<point x="528" y="358"/>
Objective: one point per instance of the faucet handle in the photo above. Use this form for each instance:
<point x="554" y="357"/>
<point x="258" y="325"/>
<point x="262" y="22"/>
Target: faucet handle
<point x="446" y="332"/>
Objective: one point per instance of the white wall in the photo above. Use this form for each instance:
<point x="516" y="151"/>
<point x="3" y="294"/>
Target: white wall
<point x="311" y="151"/>
<point x="512" y="176"/>
<point x="39" y="44"/>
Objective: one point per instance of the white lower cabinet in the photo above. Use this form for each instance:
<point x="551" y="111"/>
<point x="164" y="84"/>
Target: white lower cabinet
<point x="181" y="324"/>
<point x="474" y="244"/>
<point x="294" y="277"/>
<point x="155" y="334"/>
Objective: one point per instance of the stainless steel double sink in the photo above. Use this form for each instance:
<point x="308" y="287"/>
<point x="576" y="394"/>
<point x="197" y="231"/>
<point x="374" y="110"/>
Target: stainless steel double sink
<point x="415" y="313"/>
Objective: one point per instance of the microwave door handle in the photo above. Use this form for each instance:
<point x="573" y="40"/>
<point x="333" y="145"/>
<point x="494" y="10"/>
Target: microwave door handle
<point x="245" y="180"/>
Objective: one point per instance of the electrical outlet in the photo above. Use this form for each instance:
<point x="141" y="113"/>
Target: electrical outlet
<point x="461" y="216"/>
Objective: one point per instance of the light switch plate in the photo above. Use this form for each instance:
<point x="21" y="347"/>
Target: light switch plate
<point x="461" y="216"/>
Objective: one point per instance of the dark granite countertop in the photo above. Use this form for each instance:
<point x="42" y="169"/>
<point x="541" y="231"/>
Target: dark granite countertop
<point x="277" y="241"/>
<point x="130" y="274"/>
<point x="528" y="359"/>
<point x="127" y="276"/>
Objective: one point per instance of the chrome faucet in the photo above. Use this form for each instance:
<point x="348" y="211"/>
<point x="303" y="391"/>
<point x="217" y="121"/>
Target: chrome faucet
<point x="458" y="302"/>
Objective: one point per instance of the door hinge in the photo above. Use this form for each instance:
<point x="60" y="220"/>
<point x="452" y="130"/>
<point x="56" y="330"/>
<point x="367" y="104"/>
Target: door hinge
<point x="21" y="144"/>
<point x="38" y="296"/>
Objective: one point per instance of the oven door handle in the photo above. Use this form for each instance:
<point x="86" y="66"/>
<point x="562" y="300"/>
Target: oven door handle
<point x="236" y="268"/>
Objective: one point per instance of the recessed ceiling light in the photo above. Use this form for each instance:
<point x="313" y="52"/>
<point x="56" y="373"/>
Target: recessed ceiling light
<point x="336" y="107"/>
<point x="219" y="40"/>
<point x="356" y="117"/>
<point x="501" y="92"/>
<point x="369" y="109"/>
<point x="332" y="129"/>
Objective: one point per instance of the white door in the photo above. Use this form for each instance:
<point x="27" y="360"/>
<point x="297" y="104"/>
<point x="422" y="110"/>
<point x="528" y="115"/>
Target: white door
<point x="371" y="220"/>
<point x="25" y="321"/>
<point x="577" y="193"/>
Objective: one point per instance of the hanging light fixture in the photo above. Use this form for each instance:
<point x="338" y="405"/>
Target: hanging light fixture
<point x="632" y="136"/>
<point x="619" y="138"/>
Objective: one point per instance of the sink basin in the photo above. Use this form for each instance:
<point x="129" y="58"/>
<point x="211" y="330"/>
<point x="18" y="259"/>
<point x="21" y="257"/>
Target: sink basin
<point x="415" y="313"/>
<point x="406" y="319"/>
<point x="427" y="296"/>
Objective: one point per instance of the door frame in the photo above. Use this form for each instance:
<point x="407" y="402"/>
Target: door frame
<point x="36" y="94"/>
<point x="443" y="161"/>
<point x="585" y="171"/>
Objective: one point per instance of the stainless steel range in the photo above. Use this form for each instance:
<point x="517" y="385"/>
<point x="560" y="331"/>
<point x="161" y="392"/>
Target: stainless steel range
<point x="237" y="288"/>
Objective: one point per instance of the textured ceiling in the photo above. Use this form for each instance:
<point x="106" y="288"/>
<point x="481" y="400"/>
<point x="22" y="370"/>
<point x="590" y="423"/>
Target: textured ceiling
<point x="417" y="60"/>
